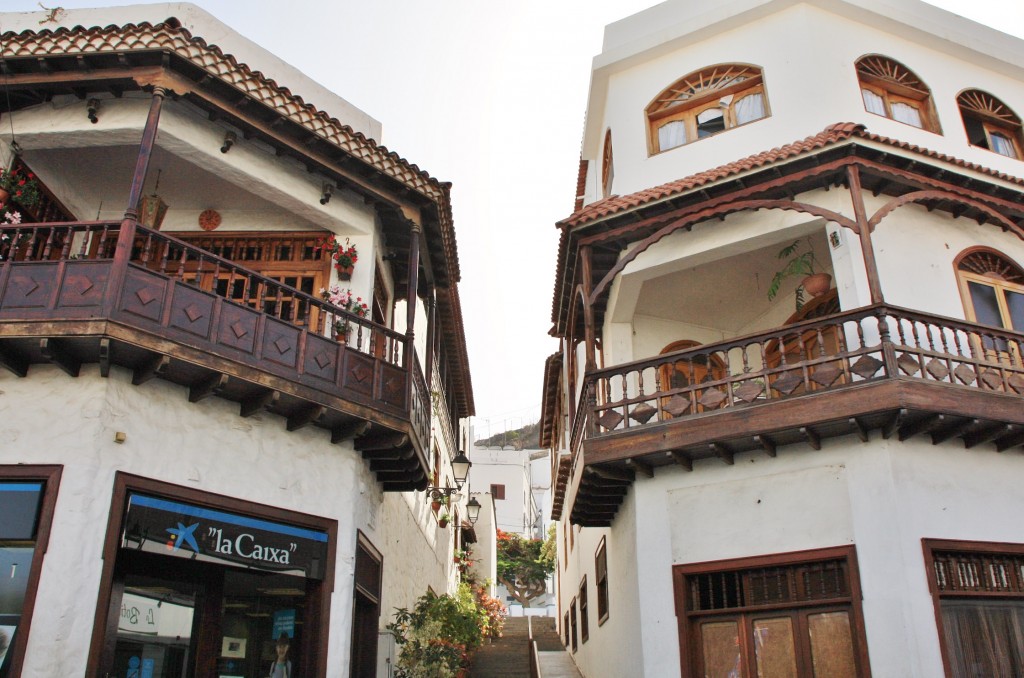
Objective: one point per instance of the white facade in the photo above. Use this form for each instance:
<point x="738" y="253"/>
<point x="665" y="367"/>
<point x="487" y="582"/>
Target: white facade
<point x="883" y="494"/>
<point x="128" y="422"/>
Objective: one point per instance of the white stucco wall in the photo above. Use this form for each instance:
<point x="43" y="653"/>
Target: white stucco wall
<point x="50" y="418"/>
<point x="809" y="77"/>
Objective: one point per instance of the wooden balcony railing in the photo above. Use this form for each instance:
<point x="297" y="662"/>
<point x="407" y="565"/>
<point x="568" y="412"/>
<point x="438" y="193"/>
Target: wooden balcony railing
<point x="176" y="291"/>
<point x="828" y="354"/>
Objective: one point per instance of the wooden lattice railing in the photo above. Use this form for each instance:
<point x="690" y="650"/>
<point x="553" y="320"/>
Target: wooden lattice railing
<point x="827" y="354"/>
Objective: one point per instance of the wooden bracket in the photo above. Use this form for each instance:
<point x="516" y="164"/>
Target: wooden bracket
<point x="306" y="416"/>
<point x="211" y="385"/>
<point x="56" y="351"/>
<point x="154" y="367"/>
<point x="259" y="402"/>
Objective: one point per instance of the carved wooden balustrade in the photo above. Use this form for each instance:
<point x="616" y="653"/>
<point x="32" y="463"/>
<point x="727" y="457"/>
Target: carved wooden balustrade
<point x="879" y="367"/>
<point x="838" y="352"/>
<point x="58" y="280"/>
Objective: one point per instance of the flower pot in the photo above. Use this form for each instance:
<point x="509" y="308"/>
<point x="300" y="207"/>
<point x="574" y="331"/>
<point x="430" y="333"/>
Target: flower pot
<point x="344" y="272"/>
<point x="817" y="284"/>
<point x="442" y="523"/>
<point x="5" y="195"/>
<point x="436" y="506"/>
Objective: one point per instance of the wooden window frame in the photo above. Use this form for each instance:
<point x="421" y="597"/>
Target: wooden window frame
<point x="930" y="546"/>
<point x="972" y="272"/>
<point x="50" y="476"/>
<point x="994" y="116"/>
<point x="607" y="167"/>
<point x="365" y="550"/>
<point x="601" y="581"/>
<point x="691" y="656"/>
<point x="659" y="113"/>
<point x="125" y="483"/>
<point x="573" y="626"/>
<point x="584" y="613"/>
<point x="497" y="491"/>
<point x="901" y="86"/>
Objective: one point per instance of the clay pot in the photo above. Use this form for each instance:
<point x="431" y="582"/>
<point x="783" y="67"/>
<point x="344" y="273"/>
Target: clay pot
<point x="344" y="272"/>
<point x="817" y="284"/>
<point x="5" y="195"/>
<point x="435" y="505"/>
<point x="443" y="523"/>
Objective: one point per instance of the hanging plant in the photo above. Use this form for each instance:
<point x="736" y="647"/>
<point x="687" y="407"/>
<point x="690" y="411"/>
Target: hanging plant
<point x="804" y="264"/>
<point x="21" y="185"/>
<point x="344" y="255"/>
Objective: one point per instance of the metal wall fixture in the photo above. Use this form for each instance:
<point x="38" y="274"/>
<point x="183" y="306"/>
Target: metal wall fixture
<point x="325" y="194"/>
<point x="460" y="469"/>
<point x="93" y="107"/>
<point x="229" y="140"/>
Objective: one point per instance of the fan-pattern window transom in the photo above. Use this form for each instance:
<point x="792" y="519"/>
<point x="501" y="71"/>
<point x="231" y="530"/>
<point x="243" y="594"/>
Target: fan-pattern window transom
<point x="704" y="103"/>
<point x="891" y="90"/>
<point x="990" y="123"/>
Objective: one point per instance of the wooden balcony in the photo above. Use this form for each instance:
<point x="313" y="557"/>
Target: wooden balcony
<point x="71" y="293"/>
<point x="878" y="368"/>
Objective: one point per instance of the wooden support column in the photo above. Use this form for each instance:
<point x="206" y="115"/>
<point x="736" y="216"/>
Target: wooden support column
<point x="589" y="331"/>
<point x="431" y="338"/>
<point x="410" y="311"/>
<point x="126" y="234"/>
<point x="870" y="266"/>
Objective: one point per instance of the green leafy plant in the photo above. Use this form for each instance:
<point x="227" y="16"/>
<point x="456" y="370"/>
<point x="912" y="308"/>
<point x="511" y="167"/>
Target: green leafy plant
<point x="524" y="565"/>
<point x="22" y="185"/>
<point x="436" y="637"/>
<point x="798" y="264"/>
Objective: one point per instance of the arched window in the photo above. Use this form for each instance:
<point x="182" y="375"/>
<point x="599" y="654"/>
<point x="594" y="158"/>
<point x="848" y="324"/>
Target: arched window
<point x="607" y="169"/>
<point x="706" y="102"/>
<point x="990" y="123"/>
<point x="992" y="287"/>
<point x="890" y="89"/>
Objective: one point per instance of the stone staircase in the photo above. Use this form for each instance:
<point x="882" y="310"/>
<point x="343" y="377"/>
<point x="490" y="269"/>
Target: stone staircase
<point x="509" y="656"/>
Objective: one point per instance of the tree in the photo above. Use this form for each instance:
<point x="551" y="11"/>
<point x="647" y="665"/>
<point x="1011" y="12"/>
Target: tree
<point x="524" y="565"/>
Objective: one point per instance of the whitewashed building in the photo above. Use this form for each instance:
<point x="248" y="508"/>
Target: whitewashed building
<point x="199" y="454"/>
<point x="753" y="477"/>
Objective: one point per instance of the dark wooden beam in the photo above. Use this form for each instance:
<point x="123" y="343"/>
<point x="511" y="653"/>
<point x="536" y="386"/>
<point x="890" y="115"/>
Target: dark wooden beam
<point x="204" y="388"/>
<point x="154" y="367"/>
<point x="641" y="466"/>
<point x="893" y="424"/>
<point x="403" y="464"/>
<point x="259" y="402"/>
<point x="306" y="416"/>
<point x="986" y="434"/>
<point x="13" y="361"/>
<point x="354" y="429"/>
<point x="811" y="436"/>
<point x="105" y="357"/>
<point x="610" y="473"/>
<point x="954" y="430"/>
<point x="723" y="453"/>
<point x="860" y="428"/>
<point x="1013" y="440"/>
<point x="681" y="459"/>
<point x="56" y="351"/>
<point x="925" y="424"/>
<point x="384" y="440"/>
<point x="767" y="444"/>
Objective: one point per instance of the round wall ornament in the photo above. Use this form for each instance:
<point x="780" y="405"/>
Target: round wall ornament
<point x="209" y="220"/>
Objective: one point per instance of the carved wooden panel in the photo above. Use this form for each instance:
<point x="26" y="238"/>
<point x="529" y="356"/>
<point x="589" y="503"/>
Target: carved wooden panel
<point x="358" y="373"/>
<point x="144" y="294"/>
<point x="30" y="286"/>
<point x="192" y="310"/>
<point x="321" y="359"/>
<point x="393" y="385"/>
<point x="281" y="343"/>
<point x="237" y="327"/>
<point x="84" y="284"/>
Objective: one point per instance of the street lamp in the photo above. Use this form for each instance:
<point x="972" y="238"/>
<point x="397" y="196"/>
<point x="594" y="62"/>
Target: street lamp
<point x="460" y="468"/>
<point x="473" y="510"/>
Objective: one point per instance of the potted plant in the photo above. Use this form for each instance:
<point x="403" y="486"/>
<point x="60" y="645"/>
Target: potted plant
<point x="437" y="503"/>
<point x="19" y="185"/>
<point x="344" y="255"/>
<point x="343" y="299"/>
<point x="443" y="519"/>
<point x="799" y="263"/>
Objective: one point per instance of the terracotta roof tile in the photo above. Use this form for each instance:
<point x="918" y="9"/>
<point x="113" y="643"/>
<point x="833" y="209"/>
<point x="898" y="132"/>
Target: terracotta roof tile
<point x="830" y="135"/>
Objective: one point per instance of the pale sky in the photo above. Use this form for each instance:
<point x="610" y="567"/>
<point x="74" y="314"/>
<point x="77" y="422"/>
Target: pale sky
<point x="490" y="96"/>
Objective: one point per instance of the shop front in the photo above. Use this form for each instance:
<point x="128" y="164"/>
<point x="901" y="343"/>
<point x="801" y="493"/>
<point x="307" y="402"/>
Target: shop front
<point x="197" y="584"/>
